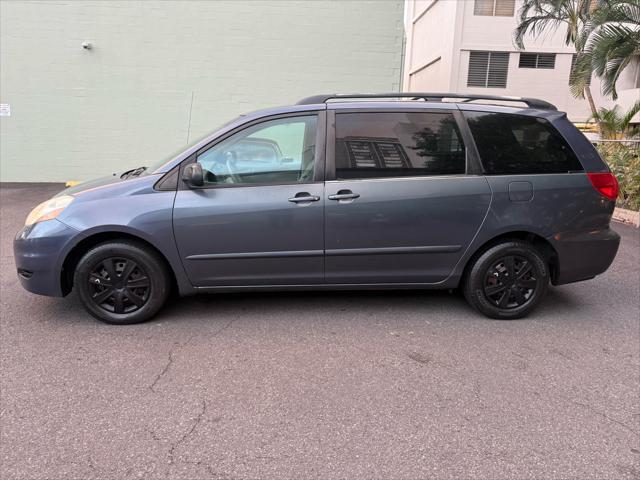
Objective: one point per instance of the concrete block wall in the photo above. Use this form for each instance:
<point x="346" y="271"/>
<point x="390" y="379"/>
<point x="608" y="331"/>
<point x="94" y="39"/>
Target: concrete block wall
<point x="161" y="73"/>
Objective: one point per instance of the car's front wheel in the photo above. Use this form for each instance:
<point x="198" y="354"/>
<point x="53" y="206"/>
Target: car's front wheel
<point x="122" y="282"/>
<point x="507" y="281"/>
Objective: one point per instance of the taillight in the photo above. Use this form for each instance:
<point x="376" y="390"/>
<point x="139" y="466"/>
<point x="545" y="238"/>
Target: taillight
<point x="605" y="183"/>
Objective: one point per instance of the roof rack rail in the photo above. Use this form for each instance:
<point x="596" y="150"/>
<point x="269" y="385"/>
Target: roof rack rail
<point x="429" y="97"/>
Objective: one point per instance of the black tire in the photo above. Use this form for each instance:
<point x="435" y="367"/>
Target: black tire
<point x="507" y="281"/>
<point x="122" y="282"/>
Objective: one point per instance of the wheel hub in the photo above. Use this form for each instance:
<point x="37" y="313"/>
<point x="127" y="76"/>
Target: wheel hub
<point x="510" y="282"/>
<point x="119" y="285"/>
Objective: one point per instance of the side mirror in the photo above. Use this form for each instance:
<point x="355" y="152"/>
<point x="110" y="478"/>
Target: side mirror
<point x="193" y="175"/>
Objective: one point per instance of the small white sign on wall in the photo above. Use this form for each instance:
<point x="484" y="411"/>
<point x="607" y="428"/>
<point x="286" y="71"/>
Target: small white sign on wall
<point x="5" y="110"/>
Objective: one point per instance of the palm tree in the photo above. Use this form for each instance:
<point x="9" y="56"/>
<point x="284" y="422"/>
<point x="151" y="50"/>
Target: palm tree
<point x="610" y="39"/>
<point x="539" y="16"/>
<point x="616" y="125"/>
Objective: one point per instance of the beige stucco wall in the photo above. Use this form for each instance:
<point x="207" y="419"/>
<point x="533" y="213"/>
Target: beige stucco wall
<point x="462" y="31"/>
<point x="429" y="47"/>
<point x="163" y="72"/>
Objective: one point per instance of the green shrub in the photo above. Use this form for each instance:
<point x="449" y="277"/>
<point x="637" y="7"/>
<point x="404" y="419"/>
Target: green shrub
<point x="624" y="161"/>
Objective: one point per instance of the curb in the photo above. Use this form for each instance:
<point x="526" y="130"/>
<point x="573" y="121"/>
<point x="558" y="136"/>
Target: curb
<point x="627" y="216"/>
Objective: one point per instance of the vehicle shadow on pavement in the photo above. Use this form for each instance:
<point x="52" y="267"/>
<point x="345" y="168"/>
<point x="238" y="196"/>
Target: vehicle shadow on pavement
<point x="204" y="308"/>
<point x="314" y="302"/>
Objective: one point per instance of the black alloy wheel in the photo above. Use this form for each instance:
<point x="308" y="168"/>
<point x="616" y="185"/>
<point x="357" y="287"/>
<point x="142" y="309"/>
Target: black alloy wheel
<point x="507" y="280"/>
<point x="119" y="285"/>
<point x="510" y="282"/>
<point x="122" y="282"/>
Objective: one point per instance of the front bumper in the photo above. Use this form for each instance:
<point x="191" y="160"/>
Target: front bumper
<point x="39" y="252"/>
<point x="583" y="255"/>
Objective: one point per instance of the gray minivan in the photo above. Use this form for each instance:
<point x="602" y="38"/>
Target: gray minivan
<point x="496" y="195"/>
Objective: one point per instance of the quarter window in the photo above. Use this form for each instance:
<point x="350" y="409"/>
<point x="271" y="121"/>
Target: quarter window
<point x="537" y="60"/>
<point x="276" y="151"/>
<point x="374" y="145"/>
<point x="488" y="69"/>
<point x="515" y="144"/>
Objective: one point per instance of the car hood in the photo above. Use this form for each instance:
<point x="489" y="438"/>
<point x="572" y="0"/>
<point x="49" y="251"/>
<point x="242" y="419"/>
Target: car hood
<point x="111" y="186"/>
<point x="98" y="182"/>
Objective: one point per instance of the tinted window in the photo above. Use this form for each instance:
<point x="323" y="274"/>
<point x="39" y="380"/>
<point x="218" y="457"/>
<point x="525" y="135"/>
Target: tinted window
<point x="276" y="151"/>
<point x="520" y="144"/>
<point x="397" y="144"/>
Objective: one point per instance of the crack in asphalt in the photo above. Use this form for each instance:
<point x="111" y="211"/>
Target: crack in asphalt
<point x="223" y="328"/>
<point x="163" y="372"/>
<point x="167" y="365"/>
<point x="182" y="439"/>
<point x="607" y="417"/>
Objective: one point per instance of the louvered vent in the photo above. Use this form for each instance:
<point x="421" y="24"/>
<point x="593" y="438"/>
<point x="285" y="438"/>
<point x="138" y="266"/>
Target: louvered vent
<point x="537" y="60"/>
<point x="546" y="60"/>
<point x="497" y="8"/>
<point x="483" y="7"/>
<point x="488" y="69"/>
<point x="504" y="8"/>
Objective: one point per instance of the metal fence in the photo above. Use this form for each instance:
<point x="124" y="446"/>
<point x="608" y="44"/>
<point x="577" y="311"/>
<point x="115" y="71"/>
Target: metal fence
<point x="627" y="142"/>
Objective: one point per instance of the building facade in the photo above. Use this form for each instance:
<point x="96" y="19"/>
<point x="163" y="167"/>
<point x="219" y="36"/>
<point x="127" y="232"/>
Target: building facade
<point x="92" y="87"/>
<point x="468" y="47"/>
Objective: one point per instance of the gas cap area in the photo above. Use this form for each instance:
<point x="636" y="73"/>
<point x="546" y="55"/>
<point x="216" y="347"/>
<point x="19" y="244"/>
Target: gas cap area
<point x="520" y="191"/>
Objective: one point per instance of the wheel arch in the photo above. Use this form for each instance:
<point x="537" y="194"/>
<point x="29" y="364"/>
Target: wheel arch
<point x="538" y="241"/>
<point x="83" y="246"/>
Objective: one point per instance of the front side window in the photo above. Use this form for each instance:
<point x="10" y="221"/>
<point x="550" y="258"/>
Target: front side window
<point x="516" y="144"/>
<point x="375" y="145"/>
<point x="272" y="152"/>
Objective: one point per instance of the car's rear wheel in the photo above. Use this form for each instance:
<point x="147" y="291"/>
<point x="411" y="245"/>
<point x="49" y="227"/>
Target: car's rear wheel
<point x="507" y="281"/>
<point x="122" y="282"/>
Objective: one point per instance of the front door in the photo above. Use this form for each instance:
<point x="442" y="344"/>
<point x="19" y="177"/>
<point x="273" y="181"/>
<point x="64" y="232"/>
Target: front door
<point x="259" y="218"/>
<point x="400" y="207"/>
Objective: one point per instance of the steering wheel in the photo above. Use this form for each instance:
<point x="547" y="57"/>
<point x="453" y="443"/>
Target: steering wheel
<point x="230" y="160"/>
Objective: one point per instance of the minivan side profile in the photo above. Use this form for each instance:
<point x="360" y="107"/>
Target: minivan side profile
<point x="498" y="196"/>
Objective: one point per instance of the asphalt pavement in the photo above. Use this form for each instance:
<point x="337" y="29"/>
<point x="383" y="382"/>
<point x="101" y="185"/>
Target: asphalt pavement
<point x="390" y="385"/>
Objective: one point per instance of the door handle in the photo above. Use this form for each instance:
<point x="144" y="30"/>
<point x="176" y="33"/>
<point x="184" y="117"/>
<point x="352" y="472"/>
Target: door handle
<point x="344" y="195"/>
<point x="304" y="197"/>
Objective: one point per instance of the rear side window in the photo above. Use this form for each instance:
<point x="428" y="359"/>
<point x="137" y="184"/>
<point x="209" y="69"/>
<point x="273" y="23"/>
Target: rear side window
<point x="514" y="144"/>
<point x="375" y="145"/>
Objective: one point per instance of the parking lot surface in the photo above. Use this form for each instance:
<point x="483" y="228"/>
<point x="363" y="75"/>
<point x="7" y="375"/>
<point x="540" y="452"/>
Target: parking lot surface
<point x="333" y="385"/>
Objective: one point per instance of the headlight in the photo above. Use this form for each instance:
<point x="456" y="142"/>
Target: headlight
<point x="48" y="210"/>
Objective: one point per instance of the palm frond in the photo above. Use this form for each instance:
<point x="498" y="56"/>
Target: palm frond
<point x="539" y="16"/>
<point x="580" y="75"/>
